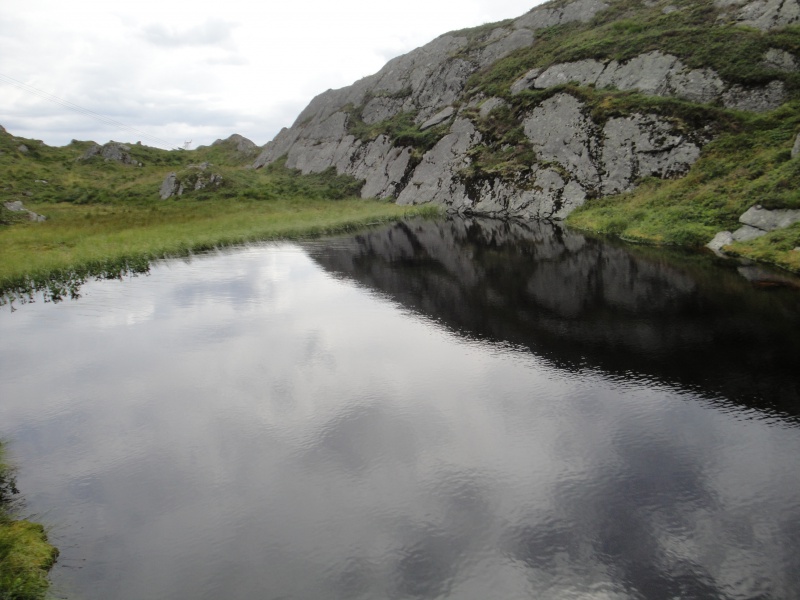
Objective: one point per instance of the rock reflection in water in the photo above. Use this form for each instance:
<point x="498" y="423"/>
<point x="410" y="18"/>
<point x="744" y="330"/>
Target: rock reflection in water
<point x="585" y="303"/>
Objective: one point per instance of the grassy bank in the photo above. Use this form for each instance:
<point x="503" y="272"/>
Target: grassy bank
<point x="101" y="240"/>
<point x="105" y="218"/>
<point x="748" y="164"/>
<point x="25" y="555"/>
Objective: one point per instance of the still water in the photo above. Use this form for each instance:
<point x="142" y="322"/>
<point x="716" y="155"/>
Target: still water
<point x="453" y="409"/>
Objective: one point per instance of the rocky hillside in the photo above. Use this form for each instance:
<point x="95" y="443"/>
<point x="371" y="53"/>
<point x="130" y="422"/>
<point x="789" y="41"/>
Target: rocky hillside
<point x="574" y="101"/>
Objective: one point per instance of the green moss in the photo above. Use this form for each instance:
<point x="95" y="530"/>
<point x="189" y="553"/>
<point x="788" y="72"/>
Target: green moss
<point x="25" y="554"/>
<point x="401" y="129"/>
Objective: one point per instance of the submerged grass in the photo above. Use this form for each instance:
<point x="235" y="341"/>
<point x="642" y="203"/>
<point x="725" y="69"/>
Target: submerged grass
<point x="25" y="555"/>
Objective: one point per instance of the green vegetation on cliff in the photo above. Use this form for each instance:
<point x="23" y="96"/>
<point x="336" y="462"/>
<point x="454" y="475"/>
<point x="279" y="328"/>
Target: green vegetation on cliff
<point x="748" y="162"/>
<point x="25" y="555"/>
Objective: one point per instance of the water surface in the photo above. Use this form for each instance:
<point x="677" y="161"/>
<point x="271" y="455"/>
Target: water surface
<point x="453" y="409"/>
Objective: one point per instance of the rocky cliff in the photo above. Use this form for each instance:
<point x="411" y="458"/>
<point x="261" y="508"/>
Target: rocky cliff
<point x="534" y="116"/>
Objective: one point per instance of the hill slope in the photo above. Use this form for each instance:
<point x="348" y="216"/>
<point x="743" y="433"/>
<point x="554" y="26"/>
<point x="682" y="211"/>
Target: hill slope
<point x="572" y="107"/>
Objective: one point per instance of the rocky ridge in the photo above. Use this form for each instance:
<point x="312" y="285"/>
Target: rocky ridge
<point x="421" y="131"/>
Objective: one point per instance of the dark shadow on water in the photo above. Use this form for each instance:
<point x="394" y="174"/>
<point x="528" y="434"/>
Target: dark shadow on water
<point x="586" y="303"/>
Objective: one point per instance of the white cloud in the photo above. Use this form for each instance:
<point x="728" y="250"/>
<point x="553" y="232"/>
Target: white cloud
<point x="208" y="33"/>
<point x="201" y="70"/>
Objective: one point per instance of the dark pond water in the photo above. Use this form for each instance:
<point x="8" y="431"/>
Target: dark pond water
<point x="454" y="409"/>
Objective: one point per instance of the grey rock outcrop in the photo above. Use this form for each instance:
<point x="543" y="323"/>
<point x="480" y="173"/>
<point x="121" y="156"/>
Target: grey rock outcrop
<point x="611" y="159"/>
<point x="763" y="99"/>
<point x="658" y="74"/>
<point x="561" y="132"/>
<point x="584" y="72"/>
<point x="762" y="14"/>
<point x="581" y="11"/>
<point x="722" y="239"/>
<point x="796" y="147"/>
<point x="439" y="118"/>
<point x="237" y="142"/>
<point x="194" y="179"/>
<point x="17" y="206"/>
<point x="169" y="187"/>
<point x="525" y="82"/>
<point x="756" y="222"/>
<point x="642" y="146"/>
<point x="425" y="81"/>
<point x="566" y="154"/>
<point x="436" y="178"/>
<point x="780" y="60"/>
<point x="769" y="220"/>
<point x="489" y="105"/>
<point x="503" y="42"/>
<point x="112" y="151"/>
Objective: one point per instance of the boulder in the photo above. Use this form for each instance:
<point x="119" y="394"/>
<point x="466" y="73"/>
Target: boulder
<point x="757" y="221"/>
<point x="722" y="239"/>
<point x="169" y="187"/>
<point x="769" y="220"/>
<point x="112" y="151"/>
<point x="489" y="105"/>
<point x="17" y="206"/>
<point x="745" y="233"/>
<point x="438" y="118"/>
<point x="525" y="82"/>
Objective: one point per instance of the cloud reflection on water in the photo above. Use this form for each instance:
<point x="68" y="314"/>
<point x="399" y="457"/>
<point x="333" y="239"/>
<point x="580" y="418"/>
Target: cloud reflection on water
<point x="265" y="429"/>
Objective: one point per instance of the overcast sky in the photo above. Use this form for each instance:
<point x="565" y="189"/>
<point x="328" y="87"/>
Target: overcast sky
<point x="195" y="70"/>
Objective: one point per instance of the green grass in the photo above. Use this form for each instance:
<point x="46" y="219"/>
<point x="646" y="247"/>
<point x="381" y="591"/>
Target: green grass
<point x="80" y="241"/>
<point x="749" y="164"/>
<point x="780" y="248"/>
<point x="25" y="555"/>
<point x="106" y="218"/>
